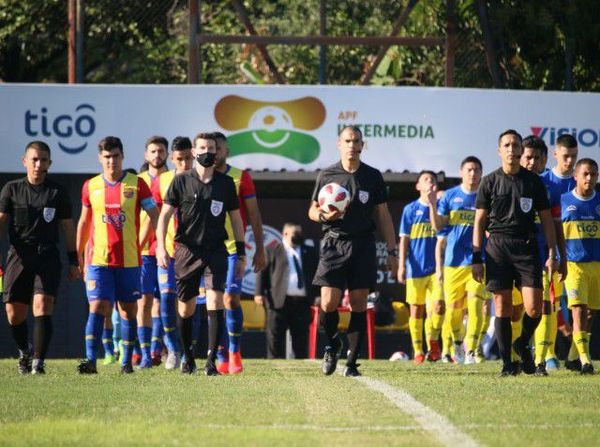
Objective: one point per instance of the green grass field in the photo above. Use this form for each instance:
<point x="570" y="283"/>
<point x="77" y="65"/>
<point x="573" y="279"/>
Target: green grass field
<point x="291" y="403"/>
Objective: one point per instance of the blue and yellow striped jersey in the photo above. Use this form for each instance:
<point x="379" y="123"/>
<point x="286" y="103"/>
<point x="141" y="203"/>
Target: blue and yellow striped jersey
<point x="416" y="225"/>
<point x="459" y="207"/>
<point x="581" y="224"/>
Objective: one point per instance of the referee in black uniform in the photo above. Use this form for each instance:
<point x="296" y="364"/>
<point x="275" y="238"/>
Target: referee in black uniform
<point x="34" y="207"/>
<point x="348" y="258"/>
<point x="507" y="200"/>
<point x="202" y="198"/>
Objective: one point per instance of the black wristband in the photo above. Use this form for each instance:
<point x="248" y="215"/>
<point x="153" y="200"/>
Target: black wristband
<point x="477" y="257"/>
<point x="240" y="248"/>
<point x="73" y="259"/>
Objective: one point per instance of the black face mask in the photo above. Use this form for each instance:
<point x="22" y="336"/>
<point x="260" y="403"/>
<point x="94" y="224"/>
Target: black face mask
<point x="297" y="239"/>
<point x="207" y="159"/>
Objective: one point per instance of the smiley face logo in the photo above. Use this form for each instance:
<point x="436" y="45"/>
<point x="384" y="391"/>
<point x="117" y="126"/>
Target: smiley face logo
<point x="276" y="128"/>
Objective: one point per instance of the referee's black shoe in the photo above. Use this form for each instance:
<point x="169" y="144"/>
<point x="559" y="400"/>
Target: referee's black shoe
<point x="87" y="367"/>
<point x="127" y="368"/>
<point x="352" y="370"/>
<point x="25" y="360"/>
<point x="210" y="369"/>
<point x="527" y="362"/>
<point x="188" y="367"/>
<point x="587" y="369"/>
<point x="330" y="359"/>
<point x="540" y="370"/>
<point x="38" y="368"/>
<point x="573" y="365"/>
<point x="510" y="369"/>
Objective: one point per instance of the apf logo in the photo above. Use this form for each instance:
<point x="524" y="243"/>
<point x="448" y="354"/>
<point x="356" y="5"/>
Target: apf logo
<point x="584" y="137"/>
<point x="62" y="126"/>
<point x="272" y="127"/>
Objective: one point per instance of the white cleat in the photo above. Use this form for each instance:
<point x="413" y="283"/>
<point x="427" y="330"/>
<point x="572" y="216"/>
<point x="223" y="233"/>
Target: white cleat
<point x="470" y="358"/>
<point x="459" y="353"/>
<point x="173" y="360"/>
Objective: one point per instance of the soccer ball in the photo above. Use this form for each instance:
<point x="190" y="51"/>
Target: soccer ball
<point x="399" y="356"/>
<point x="334" y="197"/>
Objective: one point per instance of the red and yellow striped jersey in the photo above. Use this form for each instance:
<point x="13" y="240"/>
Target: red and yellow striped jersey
<point x="149" y="248"/>
<point x="116" y="219"/>
<point x="159" y="191"/>
<point x="244" y="187"/>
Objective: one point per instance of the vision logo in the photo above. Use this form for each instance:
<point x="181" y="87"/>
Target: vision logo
<point x="272" y="127"/>
<point x="584" y="137"/>
<point x="79" y="125"/>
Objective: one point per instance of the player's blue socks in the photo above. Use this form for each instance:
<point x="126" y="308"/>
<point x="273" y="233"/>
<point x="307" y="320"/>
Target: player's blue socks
<point x="169" y="321"/>
<point x="107" y="341"/>
<point x="128" y="336"/>
<point x="157" y="336"/>
<point x="116" y="321"/>
<point x="144" y="334"/>
<point x="93" y="333"/>
<point x="234" y="319"/>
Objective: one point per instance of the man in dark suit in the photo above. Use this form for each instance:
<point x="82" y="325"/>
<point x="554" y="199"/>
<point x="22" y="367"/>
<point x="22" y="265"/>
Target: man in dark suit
<point x="285" y="288"/>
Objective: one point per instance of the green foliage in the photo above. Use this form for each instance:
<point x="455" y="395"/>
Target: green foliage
<point x="146" y="41"/>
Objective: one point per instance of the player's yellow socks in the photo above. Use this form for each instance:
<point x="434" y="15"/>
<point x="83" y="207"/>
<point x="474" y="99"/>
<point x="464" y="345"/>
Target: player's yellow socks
<point x="573" y="352"/>
<point x="542" y="335"/>
<point x="553" y="320"/>
<point x="416" y="334"/>
<point x="437" y="321"/>
<point x="516" y="333"/>
<point x="446" y="337"/>
<point x="428" y="331"/>
<point x="581" y="341"/>
<point x="474" y="322"/>
<point x="456" y="323"/>
<point x="485" y="324"/>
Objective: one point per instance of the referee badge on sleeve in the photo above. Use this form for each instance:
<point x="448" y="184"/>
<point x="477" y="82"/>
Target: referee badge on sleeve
<point x="216" y="207"/>
<point x="48" y="214"/>
<point x="526" y="204"/>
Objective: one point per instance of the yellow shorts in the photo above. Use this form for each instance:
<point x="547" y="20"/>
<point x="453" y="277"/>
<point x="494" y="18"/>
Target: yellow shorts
<point x="422" y="290"/>
<point x="458" y="281"/>
<point x="583" y="284"/>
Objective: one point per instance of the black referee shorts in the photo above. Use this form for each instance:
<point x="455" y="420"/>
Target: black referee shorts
<point x="347" y="263"/>
<point x="512" y="262"/>
<point x="192" y="265"/>
<point x="31" y="271"/>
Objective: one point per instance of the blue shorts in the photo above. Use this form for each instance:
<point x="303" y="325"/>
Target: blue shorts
<point x="233" y="285"/>
<point x="113" y="283"/>
<point x="149" y="278"/>
<point x="166" y="278"/>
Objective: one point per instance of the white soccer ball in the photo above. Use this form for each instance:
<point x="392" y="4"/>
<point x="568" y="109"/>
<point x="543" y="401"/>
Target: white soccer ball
<point x="399" y="356"/>
<point x="334" y="197"/>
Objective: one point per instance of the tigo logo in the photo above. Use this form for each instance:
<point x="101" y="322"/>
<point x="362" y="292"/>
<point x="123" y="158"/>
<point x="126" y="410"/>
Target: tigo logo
<point x="272" y="127"/>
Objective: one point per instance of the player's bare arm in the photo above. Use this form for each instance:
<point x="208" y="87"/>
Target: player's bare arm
<point x="478" y="232"/>
<point x="83" y="234"/>
<point x="383" y="220"/>
<point x="549" y="233"/>
<point x="166" y="212"/>
<point x="68" y="230"/>
<point x="403" y="253"/>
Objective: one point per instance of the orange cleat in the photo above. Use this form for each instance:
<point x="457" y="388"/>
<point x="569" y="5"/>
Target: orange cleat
<point x="235" y="363"/>
<point x="419" y="359"/>
<point x="223" y="367"/>
<point x="136" y="359"/>
<point x="434" y="353"/>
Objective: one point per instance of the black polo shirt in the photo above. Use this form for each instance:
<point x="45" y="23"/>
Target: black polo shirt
<point x="367" y="189"/>
<point x="34" y="210"/>
<point x="202" y="208"/>
<point x="511" y="202"/>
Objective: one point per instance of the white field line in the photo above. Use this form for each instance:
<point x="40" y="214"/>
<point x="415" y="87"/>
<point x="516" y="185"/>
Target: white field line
<point x="433" y="423"/>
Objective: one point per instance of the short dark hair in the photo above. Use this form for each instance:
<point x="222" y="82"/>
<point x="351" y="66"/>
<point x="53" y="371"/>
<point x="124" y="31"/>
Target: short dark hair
<point x="586" y="161"/>
<point x="157" y="139"/>
<point x="536" y="143"/>
<point x="219" y="136"/>
<point x="471" y="159"/>
<point x="205" y="136"/>
<point x="109" y="144"/>
<point x="511" y="132"/>
<point x="427" y="172"/>
<point x="567" y="140"/>
<point x="38" y="146"/>
<point x="181" y="144"/>
<point x="354" y="129"/>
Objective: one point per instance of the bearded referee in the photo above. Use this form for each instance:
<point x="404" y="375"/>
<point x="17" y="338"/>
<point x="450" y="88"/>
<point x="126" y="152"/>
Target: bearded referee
<point x="348" y="258"/>
<point x="506" y="204"/>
